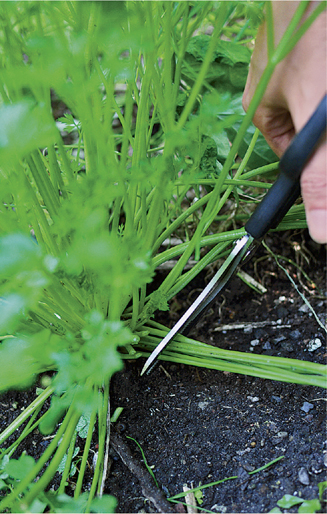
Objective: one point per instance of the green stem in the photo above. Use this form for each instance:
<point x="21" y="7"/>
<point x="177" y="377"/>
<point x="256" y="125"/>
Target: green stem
<point x="205" y="66"/>
<point x="215" y="253"/>
<point x="68" y="464"/>
<point x="27" y="430"/>
<point x="270" y="30"/>
<point x="55" y="173"/>
<point x="136" y="303"/>
<point x="65" y="162"/>
<point x="167" y="66"/>
<point x="207" y="218"/>
<point x="211" y="240"/>
<point x="102" y="416"/>
<point x="43" y="183"/>
<point x="290" y="37"/>
<point x="178" y="221"/>
<point x="8" y="500"/>
<point x="181" y="52"/>
<point x="39" y="401"/>
<point x="185" y="350"/>
<point x="42" y="483"/>
<point x="214" y="203"/>
<point x="155" y="212"/>
<point x="86" y="450"/>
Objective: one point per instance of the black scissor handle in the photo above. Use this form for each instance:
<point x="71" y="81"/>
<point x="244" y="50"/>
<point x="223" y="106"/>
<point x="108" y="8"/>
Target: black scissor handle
<point x="283" y="193"/>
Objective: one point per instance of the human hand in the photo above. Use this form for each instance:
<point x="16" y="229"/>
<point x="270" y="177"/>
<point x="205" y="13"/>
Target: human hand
<point x="293" y="93"/>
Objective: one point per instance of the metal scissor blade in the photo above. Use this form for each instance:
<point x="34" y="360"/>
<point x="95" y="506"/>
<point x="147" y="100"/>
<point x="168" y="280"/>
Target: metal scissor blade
<point x="215" y="285"/>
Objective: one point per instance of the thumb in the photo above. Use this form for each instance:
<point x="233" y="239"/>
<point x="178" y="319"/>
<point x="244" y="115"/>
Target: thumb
<point x="314" y="194"/>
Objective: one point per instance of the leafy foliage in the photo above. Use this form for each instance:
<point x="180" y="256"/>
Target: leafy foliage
<point x="151" y="110"/>
<point x="308" y="506"/>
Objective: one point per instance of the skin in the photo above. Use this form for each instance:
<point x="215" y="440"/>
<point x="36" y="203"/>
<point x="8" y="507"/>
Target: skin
<point x="293" y="93"/>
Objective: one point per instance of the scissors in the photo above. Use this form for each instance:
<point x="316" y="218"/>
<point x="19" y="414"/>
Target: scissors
<point x="268" y="214"/>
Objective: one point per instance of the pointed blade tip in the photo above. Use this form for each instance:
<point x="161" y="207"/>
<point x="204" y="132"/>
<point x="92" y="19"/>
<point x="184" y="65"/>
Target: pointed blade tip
<point x="147" y="365"/>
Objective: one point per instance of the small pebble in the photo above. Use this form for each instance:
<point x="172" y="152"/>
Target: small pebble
<point x="203" y="405"/>
<point x="219" y="508"/>
<point x="276" y="440"/>
<point x="304" y="308"/>
<point x="248" y="467"/>
<point x="276" y="398"/>
<point x="279" y="339"/>
<point x="267" y="346"/>
<point x="253" y="398"/>
<point x="308" y="418"/>
<point x="255" y="342"/>
<point x="316" y="464"/>
<point x="295" y="334"/>
<point x="307" y="406"/>
<point x="314" y="344"/>
<point x="282" y="312"/>
<point x="248" y="330"/>
<point x="304" y="477"/>
<point x="287" y="346"/>
<point x="271" y="425"/>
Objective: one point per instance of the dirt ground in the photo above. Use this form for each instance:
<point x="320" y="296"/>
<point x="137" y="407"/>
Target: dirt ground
<point x="198" y="426"/>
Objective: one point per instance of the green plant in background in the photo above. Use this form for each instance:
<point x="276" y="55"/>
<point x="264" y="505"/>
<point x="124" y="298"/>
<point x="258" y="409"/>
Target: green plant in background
<point x="153" y="109"/>
<point x="307" y="506"/>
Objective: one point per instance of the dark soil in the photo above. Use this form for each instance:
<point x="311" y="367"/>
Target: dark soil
<point x="198" y="426"/>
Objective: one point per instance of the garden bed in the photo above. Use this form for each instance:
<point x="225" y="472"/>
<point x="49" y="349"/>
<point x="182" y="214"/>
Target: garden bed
<point x="198" y="426"/>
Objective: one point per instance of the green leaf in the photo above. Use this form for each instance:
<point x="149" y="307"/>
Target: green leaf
<point x="92" y="359"/>
<point x="289" y="501"/>
<point x="37" y="506"/>
<point x="57" y="409"/>
<point x="82" y="426"/>
<point x="3" y="485"/>
<point x="65" y="504"/>
<point x="17" y="253"/>
<point x="199" y="496"/>
<point x="262" y="153"/>
<point x="322" y="486"/>
<point x="310" y="506"/>
<point x="226" y="52"/>
<point x="106" y="503"/>
<point x="19" y="468"/>
<point x="229" y="65"/>
<point x="62" y="464"/>
<point x="70" y="123"/>
<point x="12" y="308"/>
<point x="22" y="358"/>
<point x="25" y="126"/>
<point x="3" y="464"/>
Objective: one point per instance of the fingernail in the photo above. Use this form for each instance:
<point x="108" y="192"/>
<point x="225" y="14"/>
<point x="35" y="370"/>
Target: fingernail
<point x="317" y="224"/>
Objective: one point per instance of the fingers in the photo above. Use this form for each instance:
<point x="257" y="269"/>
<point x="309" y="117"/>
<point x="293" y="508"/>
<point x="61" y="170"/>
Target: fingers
<point x="292" y="95"/>
<point x="314" y="193"/>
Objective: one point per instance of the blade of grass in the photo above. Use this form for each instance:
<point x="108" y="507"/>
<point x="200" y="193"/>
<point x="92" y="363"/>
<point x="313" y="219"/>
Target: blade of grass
<point x="212" y="484"/>
<point x="144" y="459"/>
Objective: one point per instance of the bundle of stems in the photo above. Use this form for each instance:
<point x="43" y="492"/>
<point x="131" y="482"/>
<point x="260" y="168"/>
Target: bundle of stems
<point x="82" y="225"/>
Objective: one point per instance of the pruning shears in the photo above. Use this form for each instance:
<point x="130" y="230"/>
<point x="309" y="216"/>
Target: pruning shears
<point x="268" y="214"/>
